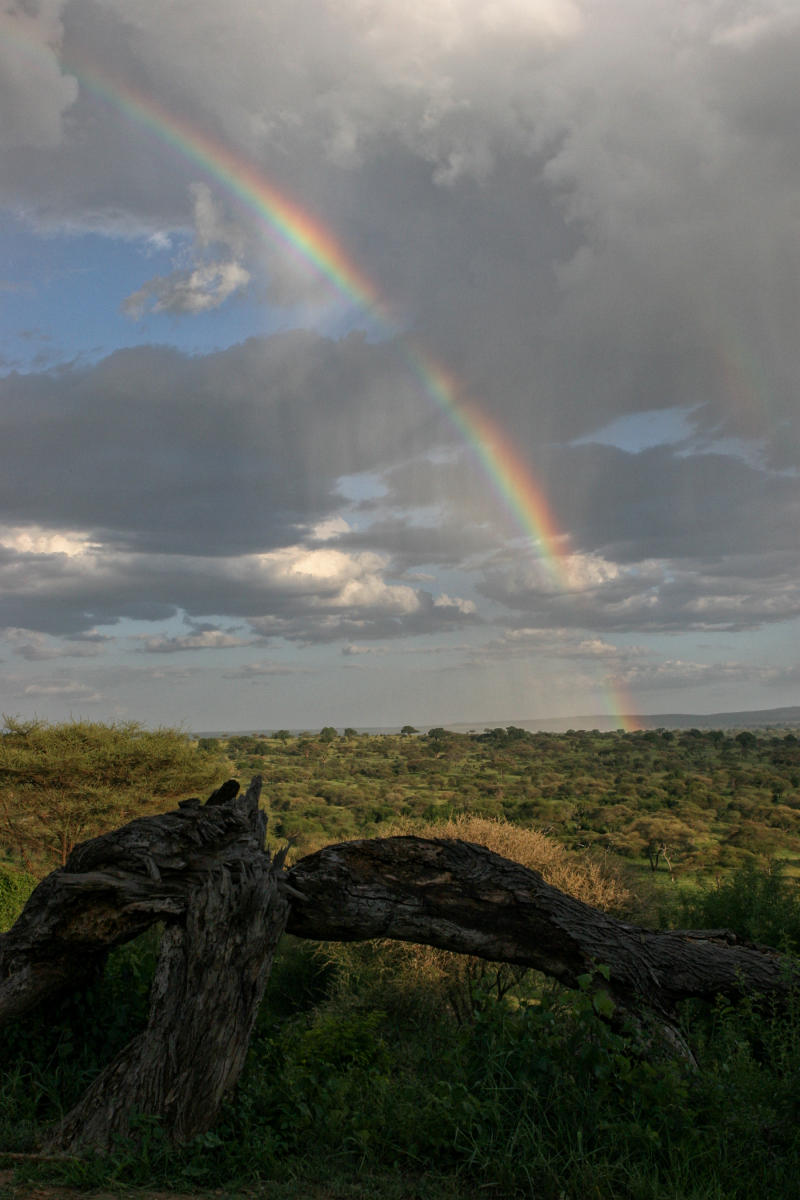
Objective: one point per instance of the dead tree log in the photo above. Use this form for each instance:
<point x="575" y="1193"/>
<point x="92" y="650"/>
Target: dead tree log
<point x="465" y="898"/>
<point x="203" y="871"/>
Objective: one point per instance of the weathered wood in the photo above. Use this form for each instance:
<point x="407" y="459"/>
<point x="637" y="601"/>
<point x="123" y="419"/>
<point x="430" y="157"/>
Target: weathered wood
<point x="115" y="886"/>
<point x="204" y="872"/>
<point x="209" y="982"/>
<point x="465" y="898"/>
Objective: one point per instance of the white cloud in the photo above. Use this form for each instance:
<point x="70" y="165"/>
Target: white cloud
<point x="210" y="280"/>
<point x="332" y="579"/>
<point x="463" y="606"/>
<point x="66" y="689"/>
<point x="678" y="673"/>
<point x="207" y="639"/>
<point x="37" y="647"/>
<point x="39" y="540"/>
<point x="199" y="290"/>
<point x="264" y="670"/>
<point x="531" y="576"/>
<point x="329" y="530"/>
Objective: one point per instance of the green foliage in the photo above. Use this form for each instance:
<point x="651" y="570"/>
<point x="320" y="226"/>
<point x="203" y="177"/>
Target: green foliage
<point x="49" y="1057"/>
<point x="757" y="903"/>
<point x="15" y="888"/>
<point x="62" y="783"/>
<point x="208" y="745"/>
<point x="676" y="803"/>
<point x="359" y="1078"/>
<point x="537" y="1095"/>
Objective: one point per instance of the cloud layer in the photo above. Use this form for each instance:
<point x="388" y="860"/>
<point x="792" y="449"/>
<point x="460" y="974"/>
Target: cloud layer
<point x="581" y="212"/>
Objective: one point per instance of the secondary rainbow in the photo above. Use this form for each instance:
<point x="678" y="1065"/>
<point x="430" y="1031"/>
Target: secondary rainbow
<point x="511" y="477"/>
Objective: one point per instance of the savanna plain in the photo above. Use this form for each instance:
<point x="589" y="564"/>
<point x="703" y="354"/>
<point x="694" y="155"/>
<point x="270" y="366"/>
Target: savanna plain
<point x="398" y="1071"/>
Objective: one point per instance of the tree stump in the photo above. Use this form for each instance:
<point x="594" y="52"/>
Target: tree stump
<point x="204" y="871"/>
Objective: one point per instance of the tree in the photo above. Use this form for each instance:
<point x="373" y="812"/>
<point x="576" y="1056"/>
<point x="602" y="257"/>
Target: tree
<point x="408" y="730"/>
<point x="203" y="871"/>
<point x="63" y="782"/>
<point x="328" y="734"/>
<point x="663" y="837"/>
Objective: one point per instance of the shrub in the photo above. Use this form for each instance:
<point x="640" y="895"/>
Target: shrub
<point x="60" y="784"/>
<point x="756" y="902"/>
<point x="398" y="974"/>
<point x="15" y="888"/>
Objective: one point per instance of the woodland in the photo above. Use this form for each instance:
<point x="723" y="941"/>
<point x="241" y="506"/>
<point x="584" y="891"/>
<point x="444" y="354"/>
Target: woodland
<point x="502" y="963"/>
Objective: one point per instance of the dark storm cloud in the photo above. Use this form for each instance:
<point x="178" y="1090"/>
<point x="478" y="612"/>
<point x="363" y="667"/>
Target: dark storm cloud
<point x="216" y="454"/>
<point x="668" y="503"/>
<point x="443" y="543"/>
<point x="175" y="469"/>
<point x="582" y="211"/>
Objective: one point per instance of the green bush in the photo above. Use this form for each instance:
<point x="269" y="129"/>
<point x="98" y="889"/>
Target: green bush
<point x="15" y="888"/>
<point x="541" y="1098"/>
<point x="62" y="783"/>
<point x="757" y="902"/>
<point x="49" y="1056"/>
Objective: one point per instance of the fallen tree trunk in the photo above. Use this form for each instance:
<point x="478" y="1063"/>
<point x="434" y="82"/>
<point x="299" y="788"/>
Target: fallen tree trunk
<point x="464" y="898"/>
<point x="203" y="871"/>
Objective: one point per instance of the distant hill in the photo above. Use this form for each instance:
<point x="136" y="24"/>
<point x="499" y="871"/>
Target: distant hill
<point x="759" y="718"/>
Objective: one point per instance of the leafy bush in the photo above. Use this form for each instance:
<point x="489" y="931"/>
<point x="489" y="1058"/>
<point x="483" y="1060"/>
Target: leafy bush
<point x="49" y="1057"/>
<point x="62" y="783"/>
<point x="756" y="902"/>
<point x="15" y="888"/>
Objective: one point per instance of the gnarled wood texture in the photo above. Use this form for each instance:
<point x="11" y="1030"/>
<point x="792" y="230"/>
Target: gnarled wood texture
<point x="204" y="872"/>
<point x="465" y="898"/>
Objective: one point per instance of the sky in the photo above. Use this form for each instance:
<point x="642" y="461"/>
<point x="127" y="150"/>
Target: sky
<point x="369" y="363"/>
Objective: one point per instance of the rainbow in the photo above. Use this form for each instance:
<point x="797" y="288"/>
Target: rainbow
<point x="620" y="705"/>
<point x="505" y="467"/>
<point x="510" y="476"/>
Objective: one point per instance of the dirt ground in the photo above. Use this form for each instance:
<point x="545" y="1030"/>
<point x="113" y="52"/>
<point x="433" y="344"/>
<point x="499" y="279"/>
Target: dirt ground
<point x="38" y="1191"/>
<point x="364" y="1187"/>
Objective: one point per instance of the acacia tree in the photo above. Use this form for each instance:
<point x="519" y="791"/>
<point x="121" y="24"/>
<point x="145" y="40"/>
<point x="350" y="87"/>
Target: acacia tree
<point x="60" y="783"/>
<point x="202" y="870"/>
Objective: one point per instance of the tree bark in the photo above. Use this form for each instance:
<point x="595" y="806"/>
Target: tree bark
<point x="465" y="898"/>
<point x="203" y="871"/>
